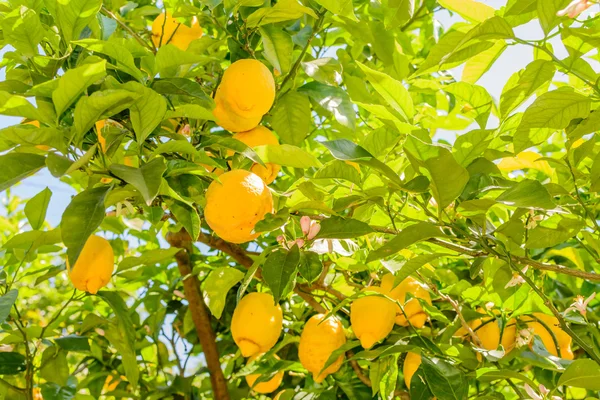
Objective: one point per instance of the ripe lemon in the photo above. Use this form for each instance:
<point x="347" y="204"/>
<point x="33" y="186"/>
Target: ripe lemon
<point x="256" y="323"/>
<point x="229" y="120"/>
<point x="319" y="339"/>
<point x="416" y="315"/>
<point x="372" y="318"/>
<point x="235" y="203"/>
<point x="488" y="332"/>
<point x="411" y="365"/>
<point x="257" y="137"/>
<point x="264" y="387"/>
<point x="94" y="267"/>
<point x="166" y="29"/>
<point x="563" y="340"/>
<point x="247" y="89"/>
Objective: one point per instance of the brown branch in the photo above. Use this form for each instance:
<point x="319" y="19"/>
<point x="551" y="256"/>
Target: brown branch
<point x="559" y="269"/>
<point x="200" y="315"/>
<point x="358" y="370"/>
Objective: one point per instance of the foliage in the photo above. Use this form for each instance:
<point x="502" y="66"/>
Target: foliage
<point x="502" y="223"/>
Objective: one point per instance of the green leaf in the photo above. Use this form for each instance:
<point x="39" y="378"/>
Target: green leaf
<point x="524" y="84"/>
<point x="391" y="90"/>
<point x="121" y="55"/>
<point x="81" y="218"/>
<point x="553" y="231"/>
<point x="583" y="373"/>
<point x="23" y="30"/>
<point x="413" y="265"/>
<point x="445" y="381"/>
<point x="343" y="228"/>
<point x="343" y="8"/>
<point x="471" y="10"/>
<point x="447" y="176"/>
<point x="527" y="194"/>
<point x="54" y="365"/>
<point x="595" y="175"/>
<point x="476" y="97"/>
<point x="148" y="257"/>
<point x="181" y="87"/>
<point x="481" y="63"/>
<point x="146" y="179"/>
<point x="187" y="216"/>
<point x="122" y="335"/>
<point x="346" y="150"/>
<point x="147" y="112"/>
<point x="471" y="145"/>
<point x="310" y="267"/>
<point x="53" y="391"/>
<point x="170" y="58"/>
<point x="337" y="169"/>
<point x="6" y="303"/>
<point x="277" y="47"/>
<point x="284" y="10"/>
<point x="36" y="208"/>
<point x="451" y="51"/>
<point x="74" y="82"/>
<point x="287" y="155"/>
<point x="193" y="111"/>
<point x="279" y="271"/>
<point x="407" y="236"/>
<point x="100" y="105"/>
<point x="73" y="343"/>
<point x="17" y="166"/>
<point x="291" y="118"/>
<point x="547" y="13"/>
<point x="72" y="16"/>
<point x="334" y="100"/>
<point x="216" y="286"/>
<point x="28" y="135"/>
<point x="492" y="374"/>
<point x="549" y="113"/>
<point x="18" y="106"/>
<point x="12" y="363"/>
<point x="325" y="70"/>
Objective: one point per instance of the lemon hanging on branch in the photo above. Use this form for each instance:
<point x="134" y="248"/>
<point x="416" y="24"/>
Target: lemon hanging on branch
<point x="94" y="266"/>
<point x="256" y="323"/>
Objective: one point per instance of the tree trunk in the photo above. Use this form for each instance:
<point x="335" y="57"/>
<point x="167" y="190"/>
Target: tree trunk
<point x="200" y="314"/>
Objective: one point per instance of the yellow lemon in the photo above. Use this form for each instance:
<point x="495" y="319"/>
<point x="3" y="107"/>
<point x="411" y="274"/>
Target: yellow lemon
<point x="260" y="136"/>
<point x="353" y="165"/>
<point x="264" y="387"/>
<point x="235" y="203"/>
<point x="412" y="362"/>
<point x="247" y="89"/>
<point x="256" y="323"/>
<point x="229" y="120"/>
<point x="321" y="337"/>
<point x="166" y="29"/>
<point x="563" y="340"/>
<point x="372" y="318"/>
<point x="95" y="265"/>
<point x="488" y="332"/>
<point x="101" y="139"/>
<point x="416" y="315"/>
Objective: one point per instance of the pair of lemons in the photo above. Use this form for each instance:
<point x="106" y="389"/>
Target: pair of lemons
<point x="256" y="326"/>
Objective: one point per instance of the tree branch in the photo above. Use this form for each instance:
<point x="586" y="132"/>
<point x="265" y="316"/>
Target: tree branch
<point x="123" y="25"/>
<point x="200" y="315"/>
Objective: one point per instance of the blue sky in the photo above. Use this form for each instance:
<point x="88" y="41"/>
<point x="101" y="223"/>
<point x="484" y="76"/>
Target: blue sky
<point x="513" y="59"/>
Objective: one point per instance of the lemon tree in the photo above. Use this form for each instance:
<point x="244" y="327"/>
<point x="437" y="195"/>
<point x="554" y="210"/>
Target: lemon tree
<point x="299" y="199"/>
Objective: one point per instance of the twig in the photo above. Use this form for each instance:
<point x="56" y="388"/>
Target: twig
<point x="123" y="25"/>
<point x="315" y="30"/>
<point x="358" y="370"/>
<point x="200" y="315"/>
<point x="454" y="304"/>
